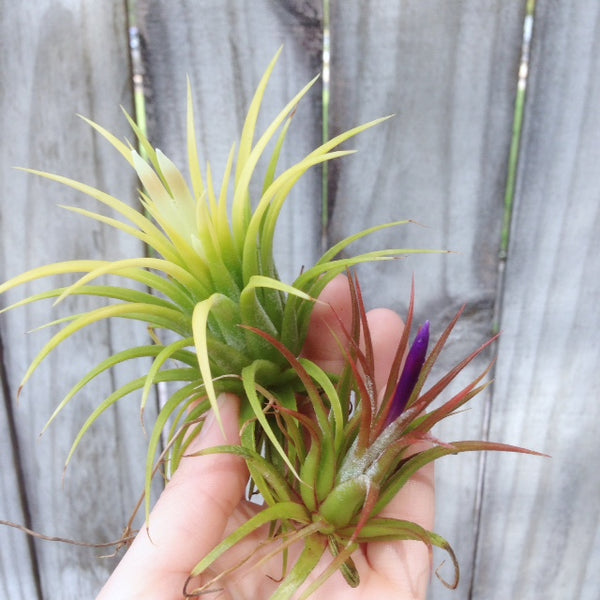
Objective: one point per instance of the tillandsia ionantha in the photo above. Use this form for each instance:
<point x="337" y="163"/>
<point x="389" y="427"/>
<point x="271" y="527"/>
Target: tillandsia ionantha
<point x="353" y="450"/>
<point x="210" y="275"/>
<point x="211" y="279"/>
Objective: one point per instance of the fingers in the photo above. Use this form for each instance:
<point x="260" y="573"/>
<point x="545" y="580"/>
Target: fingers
<point x="386" y="330"/>
<point x="407" y="564"/>
<point x="188" y="519"/>
<point x="330" y="322"/>
<point x="331" y="314"/>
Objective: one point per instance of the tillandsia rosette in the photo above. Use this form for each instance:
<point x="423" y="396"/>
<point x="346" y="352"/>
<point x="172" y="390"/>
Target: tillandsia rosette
<point x="210" y="275"/>
<point x="352" y="451"/>
<point x="325" y="474"/>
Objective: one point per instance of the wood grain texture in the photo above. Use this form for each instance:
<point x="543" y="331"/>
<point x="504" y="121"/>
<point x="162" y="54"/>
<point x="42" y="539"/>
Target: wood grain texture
<point x="17" y="561"/>
<point x="66" y="57"/>
<point x="539" y="532"/>
<point x="447" y="70"/>
<point x="224" y="48"/>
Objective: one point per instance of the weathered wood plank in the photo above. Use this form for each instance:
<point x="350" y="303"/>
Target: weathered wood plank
<point x="17" y="565"/>
<point x="65" y="58"/>
<point x="539" y="536"/>
<point x="448" y="72"/>
<point x="224" y="48"/>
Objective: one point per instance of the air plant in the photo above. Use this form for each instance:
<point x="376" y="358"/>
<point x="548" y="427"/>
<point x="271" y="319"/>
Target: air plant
<point x="353" y="456"/>
<point x="211" y="280"/>
<point x="210" y="275"/>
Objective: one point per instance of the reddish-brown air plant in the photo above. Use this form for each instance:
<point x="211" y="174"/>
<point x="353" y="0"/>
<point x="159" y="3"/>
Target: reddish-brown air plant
<point x="332" y="473"/>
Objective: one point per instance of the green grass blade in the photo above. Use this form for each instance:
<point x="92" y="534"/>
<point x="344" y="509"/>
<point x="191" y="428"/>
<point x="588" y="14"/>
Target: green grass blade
<point x="417" y="461"/>
<point x="324" y="381"/>
<point x="60" y="268"/>
<point x="111" y="222"/>
<point x="173" y="403"/>
<point x="271" y="475"/>
<point x="162" y="357"/>
<point x="272" y="201"/>
<point x="247" y="136"/>
<point x="240" y="208"/>
<point x="314" y="549"/>
<point x="272" y="168"/>
<point x="99" y="291"/>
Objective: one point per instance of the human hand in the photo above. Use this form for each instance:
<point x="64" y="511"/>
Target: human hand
<point x="205" y="501"/>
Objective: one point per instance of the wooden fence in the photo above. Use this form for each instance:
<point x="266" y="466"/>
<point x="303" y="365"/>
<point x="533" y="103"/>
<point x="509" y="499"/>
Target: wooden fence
<point x="524" y="528"/>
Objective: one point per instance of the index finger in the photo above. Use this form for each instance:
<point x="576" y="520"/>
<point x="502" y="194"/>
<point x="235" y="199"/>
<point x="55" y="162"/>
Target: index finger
<point x="331" y="314"/>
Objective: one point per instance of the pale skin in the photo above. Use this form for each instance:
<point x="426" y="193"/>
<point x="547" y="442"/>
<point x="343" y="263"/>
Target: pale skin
<point x="205" y="501"/>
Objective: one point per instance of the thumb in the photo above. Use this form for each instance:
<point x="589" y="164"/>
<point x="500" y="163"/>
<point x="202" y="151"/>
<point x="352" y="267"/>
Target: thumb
<point x="189" y="518"/>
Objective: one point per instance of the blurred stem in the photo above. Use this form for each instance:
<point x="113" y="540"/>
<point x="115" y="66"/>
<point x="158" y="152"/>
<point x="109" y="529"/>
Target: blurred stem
<point x="504" y="242"/>
<point x="325" y="120"/>
<point x="515" y="145"/>
<point x="137" y="72"/>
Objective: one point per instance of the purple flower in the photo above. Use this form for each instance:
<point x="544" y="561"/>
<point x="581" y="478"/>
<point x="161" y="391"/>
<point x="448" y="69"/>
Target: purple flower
<point x="410" y="373"/>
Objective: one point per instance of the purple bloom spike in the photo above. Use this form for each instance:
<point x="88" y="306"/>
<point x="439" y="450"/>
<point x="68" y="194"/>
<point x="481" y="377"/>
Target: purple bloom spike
<point x="410" y="373"/>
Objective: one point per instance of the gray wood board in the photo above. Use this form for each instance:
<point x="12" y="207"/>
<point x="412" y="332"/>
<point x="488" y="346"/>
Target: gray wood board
<point x="65" y="58"/>
<point x="17" y="564"/>
<point x="447" y="70"/>
<point x="539" y="533"/>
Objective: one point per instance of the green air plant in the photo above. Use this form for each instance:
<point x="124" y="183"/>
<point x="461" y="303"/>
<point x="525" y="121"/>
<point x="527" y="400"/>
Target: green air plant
<point x="210" y="275"/>
<point x="212" y="281"/>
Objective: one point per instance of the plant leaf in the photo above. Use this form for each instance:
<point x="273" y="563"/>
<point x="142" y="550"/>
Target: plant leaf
<point x="284" y="511"/>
